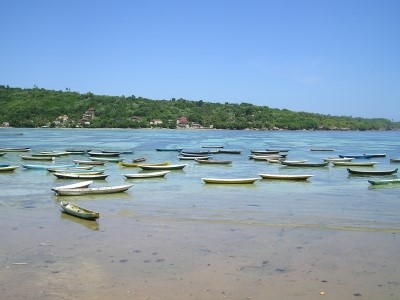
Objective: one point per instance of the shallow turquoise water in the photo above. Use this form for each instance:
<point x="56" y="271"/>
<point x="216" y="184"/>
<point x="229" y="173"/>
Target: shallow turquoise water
<point x="331" y="198"/>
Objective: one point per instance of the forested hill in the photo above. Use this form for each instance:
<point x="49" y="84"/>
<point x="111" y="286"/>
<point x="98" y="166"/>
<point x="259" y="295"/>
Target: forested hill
<point x="39" y="107"/>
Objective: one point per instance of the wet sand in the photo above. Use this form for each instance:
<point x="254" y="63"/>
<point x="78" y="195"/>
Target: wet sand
<point x="131" y="258"/>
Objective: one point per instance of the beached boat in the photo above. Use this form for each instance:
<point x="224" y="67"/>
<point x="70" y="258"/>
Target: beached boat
<point x="88" y="162"/>
<point x="80" y="176"/>
<point x="355" y="163"/>
<point x="82" y="184"/>
<point x="384" y="181"/>
<point x="78" y="211"/>
<point x="44" y="167"/>
<point x="372" y="172"/>
<point x="286" y="176"/>
<point x="106" y="159"/>
<point x="93" y="191"/>
<point x="395" y="160"/>
<point x="230" y="180"/>
<point x="146" y="175"/>
<point x="304" y="164"/>
<point x="167" y="167"/>
<point x="27" y="157"/>
<point x="8" y="168"/>
<point x="24" y="149"/>
<point x="213" y="162"/>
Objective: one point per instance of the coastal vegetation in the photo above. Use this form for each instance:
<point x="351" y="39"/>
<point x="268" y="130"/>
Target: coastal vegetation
<point x="38" y="107"/>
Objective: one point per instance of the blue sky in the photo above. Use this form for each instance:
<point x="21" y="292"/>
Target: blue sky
<point x="324" y="56"/>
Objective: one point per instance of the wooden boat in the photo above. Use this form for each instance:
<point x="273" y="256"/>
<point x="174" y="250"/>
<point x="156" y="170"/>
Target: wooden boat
<point x="322" y="149"/>
<point x="46" y="154"/>
<point x="286" y="176"/>
<point x="93" y="191"/>
<point x="81" y="184"/>
<point x="266" y="157"/>
<point x="72" y="169"/>
<point x="229" y="151"/>
<point x="2" y="153"/>
<point x="211" y="146"/>
<point x="230" y="180"/>
<point x="88" y="162"/>
<point x="4" y="165"/>
<point x="44" y="167"/>
<point x="362" y="156"/>
<point x="354" y="163"/>
<point x="80" y="176"/>
<point x="169" y="149"/>
<point x="279" y="150"/>
<point x="24" y="149"/>
<point x="8" y="168"/>
<point x="78" y="211"/>
<point x="304" y="164"/>
<point x="57" y="153"/>
<point x="213" y="162"/>
<point x="194" y="157"/>
<point x="146" y="175"/>
<point x="395" y="160"/>
<point x="125" y="164"/>
<point x="298" y="161"/>
<point x="26" y="157"/>
<point x="195" y="154"/>
<point x="106" y="159"/>
<point x="113" y="152"/>
<point x="167" y="167"/>
<point x="334" y="159"/>
<point x="384" y="181"/>
<point x="77" y="151"/>
<point x="140" y="159"/>
<point x="104" y="154"/>
<point x="376" y="154"/>
<point x="372" y="172"/>
<point x="78" y="171"/>
<point x="264" y="152"/>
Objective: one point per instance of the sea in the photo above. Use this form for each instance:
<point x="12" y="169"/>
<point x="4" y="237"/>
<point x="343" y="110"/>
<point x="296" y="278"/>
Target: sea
<point x="177" y="237"/>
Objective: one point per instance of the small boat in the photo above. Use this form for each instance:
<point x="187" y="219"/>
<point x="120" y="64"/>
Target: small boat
<point x="81" y="184"/>
<point x="26" y="157"/>
<point x="44" y="167"/>
<point x="113" y="152"/>
<point x="266" y="157"/>
<point x="230" y="180"/>
<point x="46" y="154"/>
<point x="93" y="191"/>
<point x="279" y="150"/>
<point x="140" y="159"/>
<point x="24" y="149"/>
<point x="8" y="168"/>
<point x="229" y="151"/>
<point x="167" y="167"/>
<point x="286" y="176"/>
<point x="298" y="161"/>
<point x="124" y="164"/>
<point x="4" y="165"/>
<point x="88" y="162"/>
<point x="375" y="154"/>
<point x="322" y="149"/>
<point x="71" y="169"/>
<point x="146" y="175"/>
<point x="76" y="151"/>
<point x="2" y="153"/>
<point x="106" y="159"/>
<point x="80" y="176"/>
<point x="78" y="211"/>
<point x="79" y="171"/>
<point x="169" y="149"/>
<point x="395" y="160"/>
<point x="194" y="157"/>
<point x="264" y="152"/>
<point x="334" y="159"/>
<point x="304" y="164"/>
<point x="104" y="154"/>
<point x="195" y="154"/>
<point x="362" y="156"/>
<point x="384" y="181"/>
<point x="372" y="172"/>
<point x="354" y="163"/>
<point x="213" y="162"/>
<point x="211" y="146"/>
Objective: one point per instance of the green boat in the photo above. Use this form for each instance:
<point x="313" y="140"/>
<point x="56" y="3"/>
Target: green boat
<point x="384" y="181"/>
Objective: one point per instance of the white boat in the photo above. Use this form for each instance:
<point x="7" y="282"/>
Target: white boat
<point x="93" y="191"/>
<point x="81" y="184"/>
<point x="337" y="159"/>
<point x="80" y="176"/>
<point x="167" y="167"/>
<point x="354" y="163"/>
<point x="88" y="162"/>
<point x="146" y="175"/>
<point x="78" y="211"/>
<point x="8" y="168"/>
<point x="230" y="180"/>
<point x="286" y="176"/>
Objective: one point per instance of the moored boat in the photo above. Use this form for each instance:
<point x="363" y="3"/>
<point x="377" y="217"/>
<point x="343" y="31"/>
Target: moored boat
<point x="286" y="176"/>
<point x="376" y="154"/>
<point x="80" y="176"/>
<point x="194" y="157"/>
<point x="44" y="167"/>
<point x="106" y="159"/>
<point x="322" y="149"/>
<point x="81" y="184"/>
<point x="8" y="168"/>
<point x="213" y="162"/>
<point x="395" y="160"/>
<point x="358" y="156"/>
<point x="104" y="154"/>
<point x="228" y="151"/>
<point x="334" y="159"/>
<point x="169" y="149"/>
<point x="230" y="180"/>
<point x="304" y="164"/>
<point x="372" y="172"/>
<point x="167" y="167"/>
<point x="78" y="211"/>
<point x="88" y="162"/>
<point x="354" y="163"/>
<point x="384" y="181"/>
<point x="134" y="165"/>
<point x="71" y="169"/>
<point x="93" y="191"/>
<point x="2" y="153"/>
<point x="23" y="149"/>
<point x="46" y="154"/>
<point x="139" y="159"/>
<point x="27" y="157"/>
<point x="146" y="175"/>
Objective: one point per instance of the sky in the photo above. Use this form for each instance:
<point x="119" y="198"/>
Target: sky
<point x="336" y="57"/>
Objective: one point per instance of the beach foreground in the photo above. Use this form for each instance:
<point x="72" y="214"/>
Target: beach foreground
<point x="195" y="260"/>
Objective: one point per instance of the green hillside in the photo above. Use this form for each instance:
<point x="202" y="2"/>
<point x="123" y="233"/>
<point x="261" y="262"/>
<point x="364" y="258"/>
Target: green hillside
<point x="38" y="107"/>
